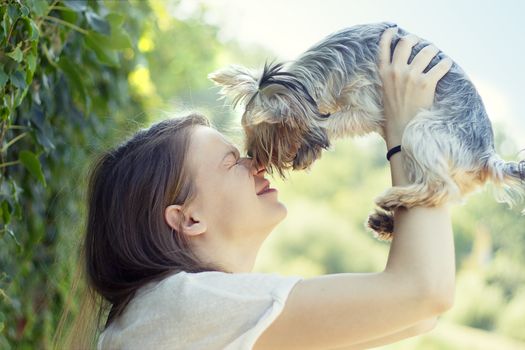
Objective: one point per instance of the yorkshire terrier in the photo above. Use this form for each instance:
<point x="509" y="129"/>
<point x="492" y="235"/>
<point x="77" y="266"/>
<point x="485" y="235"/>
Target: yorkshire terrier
<point x="333" y="90"/>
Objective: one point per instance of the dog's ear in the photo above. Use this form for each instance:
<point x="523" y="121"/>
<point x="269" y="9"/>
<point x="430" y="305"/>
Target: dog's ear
<point x="236" y="81"/>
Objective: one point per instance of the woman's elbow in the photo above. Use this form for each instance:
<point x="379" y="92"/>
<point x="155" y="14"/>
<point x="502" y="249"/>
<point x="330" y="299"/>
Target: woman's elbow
<point x="426" y="326"/>
<point x="438" y="300"/>
<point x="441" y="301"/>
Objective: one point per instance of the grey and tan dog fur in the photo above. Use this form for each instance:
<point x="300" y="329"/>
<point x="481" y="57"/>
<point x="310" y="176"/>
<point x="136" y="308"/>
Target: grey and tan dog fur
<point x="294" y="110"/>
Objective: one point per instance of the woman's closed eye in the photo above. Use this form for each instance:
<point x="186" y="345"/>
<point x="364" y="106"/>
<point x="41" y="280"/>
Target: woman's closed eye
<point x="239" y="160"/>
<point x="237" y="157"/>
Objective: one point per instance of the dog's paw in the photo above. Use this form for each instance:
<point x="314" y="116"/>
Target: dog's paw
<point x="382" y="224"/>
<point x="389" y="203"/>
<point x="392" y="199"/>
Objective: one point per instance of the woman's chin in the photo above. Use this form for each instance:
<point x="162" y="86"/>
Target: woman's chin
<point x="283" y="212"/>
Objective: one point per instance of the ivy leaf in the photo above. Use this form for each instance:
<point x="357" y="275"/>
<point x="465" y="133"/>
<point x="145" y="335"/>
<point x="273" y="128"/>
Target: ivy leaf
<point x="31" y="62"/>
<point x="34" y="33"/>
<point x="75" y="5"/>
<point x="39" y="7"/>
<point x="97" y="23"/>
<point x="72" y="72"/>
<point x="119" y="40"/>
<point x="12" y="234"/>
<point x="24" y="10"/>
<point x="18" y="80"/>
<point x="16" y="54"/>
<point x="116" y="19"/>
<point x="31" y="162"/>
<point x="6" y="212"/>
<point x="104" y="52"/>
<point x="4" y="112"/>
<point x="30" y="26"/>
<point x="3" y="78"/>
<point x="6" y="23"/>
<point x="13" y="11"/>
<point x="69" y="16"/>
<point x="44" y="141"/>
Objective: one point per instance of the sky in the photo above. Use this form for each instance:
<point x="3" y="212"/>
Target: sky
<point x="486" y="38"/>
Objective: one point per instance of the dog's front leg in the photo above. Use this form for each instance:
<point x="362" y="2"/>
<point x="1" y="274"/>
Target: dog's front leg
<point x="352" y="121"/>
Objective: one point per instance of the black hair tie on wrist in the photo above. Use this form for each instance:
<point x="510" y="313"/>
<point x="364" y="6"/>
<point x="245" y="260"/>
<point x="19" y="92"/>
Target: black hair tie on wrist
<point x="392" y="151"/>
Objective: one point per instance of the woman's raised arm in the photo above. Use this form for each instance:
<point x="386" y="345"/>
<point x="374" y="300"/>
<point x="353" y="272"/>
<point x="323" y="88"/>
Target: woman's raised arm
<point x="341" y="310"/>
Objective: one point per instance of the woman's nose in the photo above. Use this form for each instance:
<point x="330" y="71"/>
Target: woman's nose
<point x="257" y="170"/>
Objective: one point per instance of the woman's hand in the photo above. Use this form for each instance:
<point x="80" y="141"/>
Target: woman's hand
<point x="406" y="89"/>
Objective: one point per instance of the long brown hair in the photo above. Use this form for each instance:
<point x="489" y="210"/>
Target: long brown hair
<point x="127" y="242"/>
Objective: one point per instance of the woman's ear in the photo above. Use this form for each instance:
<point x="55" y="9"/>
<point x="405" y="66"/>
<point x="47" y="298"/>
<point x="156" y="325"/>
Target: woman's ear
<point x="192" y="225"/>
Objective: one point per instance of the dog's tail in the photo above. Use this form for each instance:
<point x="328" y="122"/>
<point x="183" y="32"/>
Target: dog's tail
<point x="508" y="179"/>
<point x="237" y="82"/>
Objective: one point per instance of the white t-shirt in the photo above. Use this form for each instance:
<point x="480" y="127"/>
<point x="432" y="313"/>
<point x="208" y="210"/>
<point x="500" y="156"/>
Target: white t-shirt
<point x="205" y="310"/>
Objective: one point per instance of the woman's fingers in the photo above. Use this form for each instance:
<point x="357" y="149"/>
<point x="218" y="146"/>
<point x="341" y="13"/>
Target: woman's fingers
<point x="404" y="49"/>
<point x="423" y="58"/>
<point x="405" y="88"/>
<point x="384" y="46"/>
<point x="439" y="70"/>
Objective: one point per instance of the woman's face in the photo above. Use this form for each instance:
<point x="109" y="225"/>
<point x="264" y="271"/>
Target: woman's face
<point x="227" y="187"/>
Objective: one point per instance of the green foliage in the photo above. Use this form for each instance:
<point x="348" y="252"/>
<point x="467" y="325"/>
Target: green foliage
<point x="61" y="74"/>
<point x="450" y="336"/>
<point x="511" y="320"/>
<point x="75" y="78"/>
<point x="313" y="241"/>
<point x="477" y="304"/>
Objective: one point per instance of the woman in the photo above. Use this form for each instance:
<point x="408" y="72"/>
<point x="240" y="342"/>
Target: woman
<point x="176" y="218"/>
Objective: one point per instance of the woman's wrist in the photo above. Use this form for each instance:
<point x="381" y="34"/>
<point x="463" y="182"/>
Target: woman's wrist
<point x="393" y="136"/>
<point x="393" y="151"/>
<point x="399" y="176"/>
<point x="392" y="142"/>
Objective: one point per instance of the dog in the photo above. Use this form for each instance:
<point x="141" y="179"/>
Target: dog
<point x="333" y="90"/>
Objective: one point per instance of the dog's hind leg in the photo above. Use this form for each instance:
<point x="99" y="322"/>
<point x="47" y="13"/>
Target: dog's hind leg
<point x="426" y="161"/>
<point x="382" y="224"/>
<point x="428" y="195"/>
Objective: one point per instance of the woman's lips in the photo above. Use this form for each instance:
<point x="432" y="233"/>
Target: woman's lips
<point x="266" y="188"/>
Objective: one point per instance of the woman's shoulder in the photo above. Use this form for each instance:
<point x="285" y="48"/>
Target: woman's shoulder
<point x="191" y="284"/>
<point x="238" y="307"/>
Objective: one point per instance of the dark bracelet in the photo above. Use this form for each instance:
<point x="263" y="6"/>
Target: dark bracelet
<point x="392" y="151"/>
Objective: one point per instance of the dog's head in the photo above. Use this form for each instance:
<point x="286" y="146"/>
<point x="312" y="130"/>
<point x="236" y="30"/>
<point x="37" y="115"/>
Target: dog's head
<point x="281" y="119"/>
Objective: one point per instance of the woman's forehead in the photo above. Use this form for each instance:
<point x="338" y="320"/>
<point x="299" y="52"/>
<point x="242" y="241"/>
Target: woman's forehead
<point x="210" y="138"/>
<point x="208" y="148"/>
